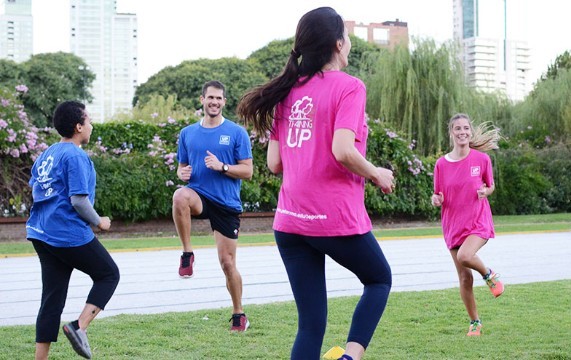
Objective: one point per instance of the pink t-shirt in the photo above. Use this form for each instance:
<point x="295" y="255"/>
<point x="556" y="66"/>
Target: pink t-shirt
<point x="463" y="213"/>
<point x="320" y="197"/>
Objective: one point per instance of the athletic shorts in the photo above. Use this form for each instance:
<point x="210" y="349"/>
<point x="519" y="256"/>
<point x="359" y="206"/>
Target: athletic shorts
<point x="222" y="219"/>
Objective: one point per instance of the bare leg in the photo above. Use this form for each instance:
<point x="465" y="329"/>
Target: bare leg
<point x="466" y="281"/>
<point x="87" y="315"/>
<point x="42" y="351"/>
<point x="227" y="257"/>
<point x="355" y="350"/>
<point x="467" y="254"/>
<point x="185" y="202"/>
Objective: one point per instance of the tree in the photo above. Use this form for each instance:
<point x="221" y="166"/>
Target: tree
<point x="417" y="91"/>
<point x="562" y="61"/>
<point x="273" y="57"/>
<point x="52" y="78"/>
<point x="545" y="116"/>
<point x="9" y="73"/>
<point x="186" y="79"/>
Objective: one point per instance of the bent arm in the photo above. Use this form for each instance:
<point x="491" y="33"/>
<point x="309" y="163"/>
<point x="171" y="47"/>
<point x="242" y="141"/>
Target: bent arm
<point x="346" y="153"/>
<point x="274" y="159"/>
<point x="244" y="170"/>
<point x="83" y="206"/>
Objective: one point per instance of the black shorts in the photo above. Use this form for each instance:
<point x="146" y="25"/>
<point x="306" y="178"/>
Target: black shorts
<point x="222" y="219"/>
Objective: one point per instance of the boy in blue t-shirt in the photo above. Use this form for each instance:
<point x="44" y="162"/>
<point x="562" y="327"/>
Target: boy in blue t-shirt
<point x="63" y="191"/>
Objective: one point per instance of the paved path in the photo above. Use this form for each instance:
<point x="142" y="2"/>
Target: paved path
<point x="150" y="284"/>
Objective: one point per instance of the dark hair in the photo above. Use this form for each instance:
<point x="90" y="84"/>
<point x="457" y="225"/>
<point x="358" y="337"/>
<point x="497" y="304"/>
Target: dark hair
<point x="215" y="84"/>
<point x="67" y="115"/>
<point x="315" y="42"/>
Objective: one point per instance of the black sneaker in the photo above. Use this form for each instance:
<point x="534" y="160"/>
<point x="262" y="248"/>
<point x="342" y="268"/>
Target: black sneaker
<point x="78" y="339"/>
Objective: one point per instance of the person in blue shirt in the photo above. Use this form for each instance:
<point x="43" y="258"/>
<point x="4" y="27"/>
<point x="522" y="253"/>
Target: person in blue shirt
<point x="214" y="155"/>
<point x="59" y="227"/>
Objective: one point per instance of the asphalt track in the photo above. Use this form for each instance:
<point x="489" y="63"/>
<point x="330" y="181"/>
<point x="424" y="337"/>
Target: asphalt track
<point x="150" y="283"/>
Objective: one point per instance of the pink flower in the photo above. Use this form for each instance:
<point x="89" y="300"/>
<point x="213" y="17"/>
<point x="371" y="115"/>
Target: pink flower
<point x="22" y="88"/>
<point x="3" y="124"/>
<point x="15" y="153"/>
<point x="391" y="134"/>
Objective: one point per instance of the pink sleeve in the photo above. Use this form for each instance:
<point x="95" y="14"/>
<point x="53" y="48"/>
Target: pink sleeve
<point x="351" y="110"/>
<point x="435" y="179"/>
<point x="488" y="176"/>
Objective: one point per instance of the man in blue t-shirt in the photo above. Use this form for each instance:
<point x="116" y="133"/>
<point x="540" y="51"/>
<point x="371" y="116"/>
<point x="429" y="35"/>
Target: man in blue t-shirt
<point x="214" y="155"/>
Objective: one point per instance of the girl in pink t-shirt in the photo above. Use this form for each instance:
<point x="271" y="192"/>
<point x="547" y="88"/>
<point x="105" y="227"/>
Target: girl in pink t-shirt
<point x="316" y="117"/>
<point x="463" y="180"/>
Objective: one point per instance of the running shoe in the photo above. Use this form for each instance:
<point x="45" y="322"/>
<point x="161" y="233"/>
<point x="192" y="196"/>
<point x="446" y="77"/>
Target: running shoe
<point x="475" y="328"/>
<point x="78" y="339"/>
<point x="493" y="281"/>
<point x="240" y="322"/>
<point x="185" y="269"/>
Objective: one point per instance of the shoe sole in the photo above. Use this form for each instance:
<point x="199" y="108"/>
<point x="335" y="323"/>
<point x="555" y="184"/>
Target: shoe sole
<point x="75" y="342"/>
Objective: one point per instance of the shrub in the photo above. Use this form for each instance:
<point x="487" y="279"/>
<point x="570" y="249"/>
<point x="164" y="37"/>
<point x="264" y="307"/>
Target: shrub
<point x="20" y="145"/>
<point x="413" y="175"/>
<point x="521" y="187"/>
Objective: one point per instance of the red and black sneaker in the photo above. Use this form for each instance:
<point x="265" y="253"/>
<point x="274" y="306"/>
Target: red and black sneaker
<point x="185" y="269"/>
<point x="240" y="322"/>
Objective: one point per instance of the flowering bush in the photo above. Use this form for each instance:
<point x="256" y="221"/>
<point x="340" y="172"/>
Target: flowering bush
<point x="136" y="167"/>
<point x="20" y="145"/>
<point x="413" y="176"/>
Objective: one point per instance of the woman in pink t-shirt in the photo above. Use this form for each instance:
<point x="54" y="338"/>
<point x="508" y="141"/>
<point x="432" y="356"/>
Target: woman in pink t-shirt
<point x="463" y="180"/>
<point x="315" y="114"/>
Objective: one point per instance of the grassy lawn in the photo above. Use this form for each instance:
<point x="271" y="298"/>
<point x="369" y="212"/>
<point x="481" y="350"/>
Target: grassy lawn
<point x="503" y="224"/>
<point x="523" y="323"/>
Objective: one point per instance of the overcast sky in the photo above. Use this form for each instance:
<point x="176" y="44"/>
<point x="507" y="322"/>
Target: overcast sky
<point x="171" y="31"/>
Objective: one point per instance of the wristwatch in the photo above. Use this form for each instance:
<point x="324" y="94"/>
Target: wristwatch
<point x="225" y="168"/>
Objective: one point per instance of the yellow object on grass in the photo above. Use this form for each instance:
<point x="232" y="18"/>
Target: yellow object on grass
<point x="334" y="353"/>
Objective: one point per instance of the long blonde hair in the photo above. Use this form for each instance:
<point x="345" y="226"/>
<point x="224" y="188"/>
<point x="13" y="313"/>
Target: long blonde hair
<point x="485" y="136"/>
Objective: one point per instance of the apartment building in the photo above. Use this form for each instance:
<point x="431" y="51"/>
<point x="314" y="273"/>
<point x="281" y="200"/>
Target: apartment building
<point x="16" y="30"/>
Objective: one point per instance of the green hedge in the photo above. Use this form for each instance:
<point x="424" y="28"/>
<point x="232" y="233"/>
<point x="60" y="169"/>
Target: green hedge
<point x="136" y="174"/>
<point x="135" y="182"/>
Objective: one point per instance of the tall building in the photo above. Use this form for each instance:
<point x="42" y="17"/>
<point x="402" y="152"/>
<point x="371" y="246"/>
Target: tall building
<point x="492" y="60"/>
<point x="107" y="41"/>
<point x="16" y="30"/>
<point x="387" y="34"/>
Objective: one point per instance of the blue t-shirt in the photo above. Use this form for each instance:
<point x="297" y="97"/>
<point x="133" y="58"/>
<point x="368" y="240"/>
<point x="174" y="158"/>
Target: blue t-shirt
<point x="230" y="143"/>
<point x="63" y="170"/>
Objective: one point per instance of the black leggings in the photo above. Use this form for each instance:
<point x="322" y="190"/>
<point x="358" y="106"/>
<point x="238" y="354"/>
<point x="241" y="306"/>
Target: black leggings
<point x="57" y="265"/>
<point x="304" y="260"/>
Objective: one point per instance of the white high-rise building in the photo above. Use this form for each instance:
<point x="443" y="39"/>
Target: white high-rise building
<point x="492" y="60"/>
<point x="16" y="30"/>
<point x="107" y="41"/>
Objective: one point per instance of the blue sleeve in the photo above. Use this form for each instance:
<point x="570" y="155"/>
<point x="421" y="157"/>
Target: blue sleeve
<point x="243" y="149"/>
<point x="182" y="154"/>
<point x="78" y="174"/>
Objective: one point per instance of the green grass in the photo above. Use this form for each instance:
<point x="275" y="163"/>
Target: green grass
<point x="503" y="224"/>
<point x="530" y="321"/>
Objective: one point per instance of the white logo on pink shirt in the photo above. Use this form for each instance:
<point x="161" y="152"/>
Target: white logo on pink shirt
<point x="300" y="124"/>
<point x="475" y="171"/>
